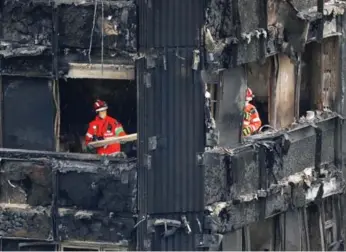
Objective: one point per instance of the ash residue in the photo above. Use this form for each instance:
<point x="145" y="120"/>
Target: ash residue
<point x="27" y="23"/>
<point x="302" y="5"/>
<point x="28" y="223"/>
<point x="119" y="26"/>
<point x="219" y="19"/>
<point x="215" y="183"/>
<point x="97" y="227"/>
<point x="249" y="15"/>
<point x="26" y="183"/>
<point x="98" y="191"/>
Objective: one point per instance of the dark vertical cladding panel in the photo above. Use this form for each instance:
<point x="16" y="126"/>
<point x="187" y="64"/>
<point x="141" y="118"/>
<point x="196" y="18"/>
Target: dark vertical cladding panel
<point x="249" y="15"/>
<point x="142" y="183"/>
<point x="231" y="106"/>
<point x="170" y="23"/>
<point x="172" y="130"/>
<point x="177" y="177"/>
<point x="28" y="114"/>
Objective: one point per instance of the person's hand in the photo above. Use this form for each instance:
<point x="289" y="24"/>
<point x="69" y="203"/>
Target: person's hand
<point x="247" y="131"/>
<point x="90" y="148"/>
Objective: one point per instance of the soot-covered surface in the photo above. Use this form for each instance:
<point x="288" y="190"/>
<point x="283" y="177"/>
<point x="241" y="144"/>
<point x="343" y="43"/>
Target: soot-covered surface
<point x="34" y="223"/>
<point x="26" y="183"/>
<point x="216" y="172"/>
<point x="27" y="23"/>
<point x="94" y="226"/>
<point x="28" y="66"/>
<point x="120" y="30"/>
<point x="109" y="187"/>
<point x="289" y="168"/>
<point x="98" y="191"/>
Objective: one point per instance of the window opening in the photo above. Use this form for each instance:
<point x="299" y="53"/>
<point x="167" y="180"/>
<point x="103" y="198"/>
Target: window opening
<point x="77" y="98"/>
<point x="319" y="85"/>
<point x="258" y="81"/>
<point x="261" y="234"/>
<point x="306" y="86"/>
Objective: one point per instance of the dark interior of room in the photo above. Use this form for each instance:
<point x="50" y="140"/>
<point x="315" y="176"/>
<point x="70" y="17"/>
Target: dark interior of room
<point x="262" y="108"/>
<point x="76" y="103"/>
<point x="306" y="90"/>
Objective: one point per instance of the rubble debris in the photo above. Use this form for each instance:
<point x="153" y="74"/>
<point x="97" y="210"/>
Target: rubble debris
<point x="97" y="226"/>
<point x="120" y="21"/>
<point x="23" y="221"/>
<point x="27" y="23"/>
<point x="26" y="183"/>
<point x="227" y="215"/>
<point x="110" y="190"/>
<point x="314" y="117"/>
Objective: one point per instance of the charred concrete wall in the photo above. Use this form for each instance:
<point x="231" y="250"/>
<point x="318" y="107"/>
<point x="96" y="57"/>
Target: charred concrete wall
<point x="272" y="174"/>
<point x="67" y="199"/>
<point x="253" y="30"/>
<point x="63" y="32"/>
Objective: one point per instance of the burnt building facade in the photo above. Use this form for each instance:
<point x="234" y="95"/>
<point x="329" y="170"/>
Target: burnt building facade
<point x="191" y="182"/>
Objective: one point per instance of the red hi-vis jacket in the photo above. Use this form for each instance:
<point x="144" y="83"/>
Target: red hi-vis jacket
<point x="105" y="128"/>
<point x="252" y="121"/>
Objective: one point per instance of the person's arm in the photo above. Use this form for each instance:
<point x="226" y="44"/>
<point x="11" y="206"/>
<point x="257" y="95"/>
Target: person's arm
<point x="255" y="121"/>
<point x="89" y="135"/>
<point x="119" y="130"/>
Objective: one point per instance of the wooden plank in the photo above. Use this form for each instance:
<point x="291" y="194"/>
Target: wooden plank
<point x="285" y="90"/>
<point x="111" y="140"/>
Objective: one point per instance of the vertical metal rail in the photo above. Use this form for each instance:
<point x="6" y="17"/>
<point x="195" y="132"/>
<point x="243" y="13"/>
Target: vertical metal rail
<point x="55" y="73"/>
<point x="298" y="71"/>
<point x="56" y="99"/>
<point x="1" y="107"/>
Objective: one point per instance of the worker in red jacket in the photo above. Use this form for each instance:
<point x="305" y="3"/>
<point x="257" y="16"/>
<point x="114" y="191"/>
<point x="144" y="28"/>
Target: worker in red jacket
<point x="104" y="127"/>
<point x="252" y="121"/>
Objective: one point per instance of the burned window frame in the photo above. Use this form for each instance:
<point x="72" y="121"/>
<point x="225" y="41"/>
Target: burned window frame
<point x="89" y="71"/>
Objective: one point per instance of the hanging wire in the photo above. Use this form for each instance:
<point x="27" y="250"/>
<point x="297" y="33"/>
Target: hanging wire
<point x="102" y="31"/>
<point x="56" y="99"/>
<point x="92" y="31"/>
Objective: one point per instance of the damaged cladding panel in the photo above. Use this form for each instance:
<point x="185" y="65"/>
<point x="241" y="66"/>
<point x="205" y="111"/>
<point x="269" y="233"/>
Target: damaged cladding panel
<point x="171" y="148"/>
<point x="25" y="199"/>
<point x="28" y="113"/>
<point x="26" y="182"/>
<point x="170" y="23"/>
<point x="119" y="25"/>
<point x="101" y="207"/>
<point x="111" y="188"/>
<point x="23" y="221"/>
<point x="309" y="147"/>
<point x="95" y="226"/>
<point x="27" y="23"/>
<point x="28" y="66"/>
<point x="249" y="15"/>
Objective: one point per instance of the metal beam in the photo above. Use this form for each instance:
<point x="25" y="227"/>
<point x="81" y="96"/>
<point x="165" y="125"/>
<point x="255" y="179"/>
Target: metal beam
<point x="95" y="71"/>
